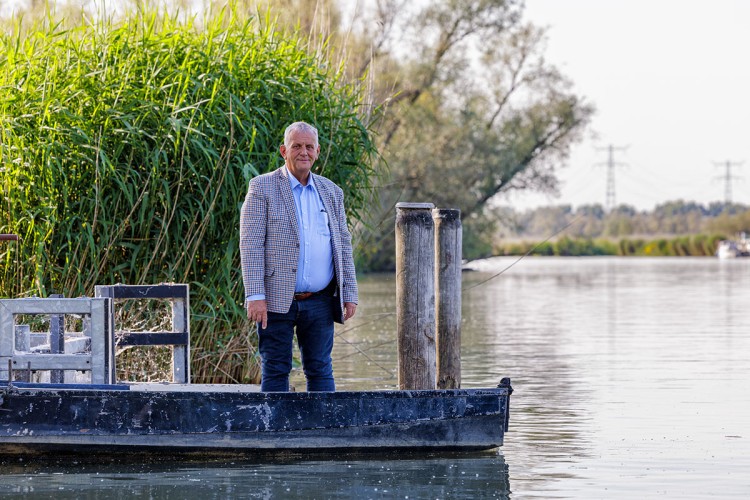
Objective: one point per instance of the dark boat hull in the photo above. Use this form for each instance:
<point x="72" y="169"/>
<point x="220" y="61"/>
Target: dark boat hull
<point x="53" y="419"/>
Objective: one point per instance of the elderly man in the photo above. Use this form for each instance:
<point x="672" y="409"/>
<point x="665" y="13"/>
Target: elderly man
<point x="297" y="263"/>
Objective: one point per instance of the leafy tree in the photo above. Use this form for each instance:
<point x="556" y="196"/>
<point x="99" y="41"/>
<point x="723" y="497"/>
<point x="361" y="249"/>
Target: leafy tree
<point x="690" y="222"/>
<point x="476" y="111"/>
<point x="730" y="224"/>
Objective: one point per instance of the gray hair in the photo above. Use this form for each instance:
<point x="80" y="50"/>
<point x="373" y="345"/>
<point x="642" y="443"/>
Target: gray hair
<point x="299" y="127"/>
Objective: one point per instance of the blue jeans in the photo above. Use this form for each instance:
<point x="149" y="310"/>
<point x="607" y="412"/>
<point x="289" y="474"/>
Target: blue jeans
<point x="313" y="319"/>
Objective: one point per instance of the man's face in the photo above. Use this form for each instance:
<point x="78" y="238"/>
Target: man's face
<point x="300" y="154"/>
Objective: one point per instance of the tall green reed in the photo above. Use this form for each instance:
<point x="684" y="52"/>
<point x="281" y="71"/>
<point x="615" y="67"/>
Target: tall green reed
<point x="126" y="148"/>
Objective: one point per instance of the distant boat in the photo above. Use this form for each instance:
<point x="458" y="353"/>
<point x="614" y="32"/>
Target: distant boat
<point x="730" y="249"/>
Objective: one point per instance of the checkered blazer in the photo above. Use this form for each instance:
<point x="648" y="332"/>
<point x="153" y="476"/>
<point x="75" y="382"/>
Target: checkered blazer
<point x="269" y="240"/>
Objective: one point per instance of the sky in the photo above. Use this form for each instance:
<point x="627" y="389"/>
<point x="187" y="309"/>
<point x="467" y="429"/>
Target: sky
<point x="670" y="80"/>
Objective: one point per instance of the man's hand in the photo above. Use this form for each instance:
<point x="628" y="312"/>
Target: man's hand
<point x="349" y="309"/>
<point x="257" y="310"/>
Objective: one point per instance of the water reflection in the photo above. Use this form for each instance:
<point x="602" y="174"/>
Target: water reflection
<point x="480" y="475"/>
<point x="513" y="326"/>
<point x="621" y="368"/>
<point x="630" y="377"/>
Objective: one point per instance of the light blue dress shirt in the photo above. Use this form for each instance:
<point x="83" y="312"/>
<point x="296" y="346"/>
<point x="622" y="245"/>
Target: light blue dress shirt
<point x="315" y="265"/>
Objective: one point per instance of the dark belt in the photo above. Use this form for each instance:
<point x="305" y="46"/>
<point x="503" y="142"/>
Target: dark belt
<point x="326" y="291"/>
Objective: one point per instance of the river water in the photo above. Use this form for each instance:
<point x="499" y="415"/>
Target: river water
<point x="631" y="379"/>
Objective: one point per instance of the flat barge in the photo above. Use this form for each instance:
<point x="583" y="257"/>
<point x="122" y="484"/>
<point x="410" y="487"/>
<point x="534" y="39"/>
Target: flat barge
<point x="49" y="417"/>
<point x="44" y="419"/>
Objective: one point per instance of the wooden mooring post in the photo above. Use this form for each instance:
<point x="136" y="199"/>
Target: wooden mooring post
<point x="415" y="295"/>
<point x="448" y="239"/>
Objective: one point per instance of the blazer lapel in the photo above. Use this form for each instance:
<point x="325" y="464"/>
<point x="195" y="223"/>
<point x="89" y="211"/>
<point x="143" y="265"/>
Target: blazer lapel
<point x="325" y="197"/>
<point x="285" y="188"/>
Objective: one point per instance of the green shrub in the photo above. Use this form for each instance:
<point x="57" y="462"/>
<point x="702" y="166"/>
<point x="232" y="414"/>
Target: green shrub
<point x="545" y="248"/>
<point x="126" y="148"/>
<point x="605" y="247"/>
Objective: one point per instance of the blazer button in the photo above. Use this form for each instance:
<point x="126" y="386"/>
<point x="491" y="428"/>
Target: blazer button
<point x="294" y="270"/>
<point x="297" y="245"/>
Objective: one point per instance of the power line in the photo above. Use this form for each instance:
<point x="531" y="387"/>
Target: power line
<point x="611" y="164"/>
<point x="728" y="177"/>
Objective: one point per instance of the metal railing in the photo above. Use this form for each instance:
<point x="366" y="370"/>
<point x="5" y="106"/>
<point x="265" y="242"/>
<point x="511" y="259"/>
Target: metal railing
<point x="23" y="352"/>
<point x="178" y="338"/>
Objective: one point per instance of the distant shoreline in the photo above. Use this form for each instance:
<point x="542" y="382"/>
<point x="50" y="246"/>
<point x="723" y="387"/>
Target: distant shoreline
<point x="696" y="245"/>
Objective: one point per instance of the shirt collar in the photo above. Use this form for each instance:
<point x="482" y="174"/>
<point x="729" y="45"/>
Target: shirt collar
<point x="294" y="182"/>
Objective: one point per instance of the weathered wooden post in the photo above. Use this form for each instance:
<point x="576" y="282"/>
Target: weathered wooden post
<point x="415" y="295"/>
<point x="448" y="296"/>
